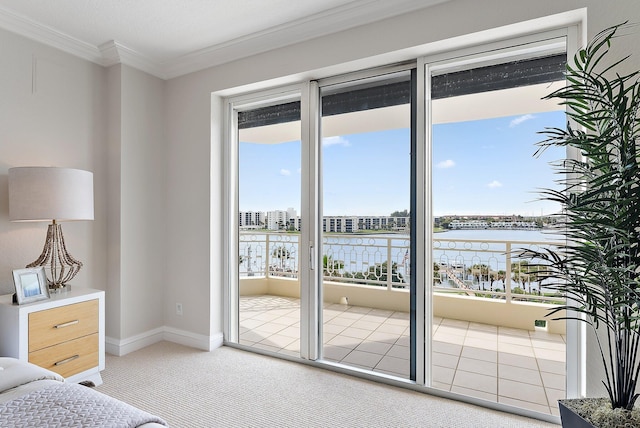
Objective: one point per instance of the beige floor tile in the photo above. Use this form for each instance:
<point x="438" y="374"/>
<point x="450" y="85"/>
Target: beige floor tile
<point x="547" y="354"/>
<point x="520" y="374"/>
<point x="477" y="381"/>
<point x="333" y="328"/>
<point x="509" y="331"/>
<point x="524" y="404"/>
<point x="278" y="341"/>
<point x="345" y="322"/>
<point x="489" y="336"/>
<point x="548" y="344"/>
<point x="556" y="367"/>
<point x="379" y="336"/>
<point x="290" y="331"/>
<point x="381" y="313"/>
<point x="442" y="386"/>
<point x="390" y="328"/>
<point x="266" y="347"/>
<point x="474" y="393"/>
<point x="269" y="328"/>
<point x="362" y="359"/>
<point x="399" y="352"/>
<point x="367" y="325"/>
<point x="252" y="336"/>
<point x="475" y="342"/>
<point x="522" y="391"/>
<point x="395" y="365"/>
<point x="285" y="320"/>
<point x="251" y="323"/>
<point x="510" y="348"/>
<point x="553" y="381"/>
<point x="448" y="338"/>
<point x="335" y="353"/>
<point x="443" y="375"/>
<point x="478" y="327"/>
<point x="444" y="360"/>
<point x="345" y="342"/>
<point x="446" y="348"/>
<point x="380" y="348"/>
<point x="477" y="366"/>
<point x="326" y="337"/>
<point x="460" y="324"/>
<point x="480" y="354"/>
<point x="351" y="315"/>
<point x="447" y="330"/>
<point x="553" y="395"/>
<point x="514" y="340"/>
<point x="509" y="359"/>
<point x="403" y="340"/>
<point x="358" y="309"/>
<point x="356" y="332"/>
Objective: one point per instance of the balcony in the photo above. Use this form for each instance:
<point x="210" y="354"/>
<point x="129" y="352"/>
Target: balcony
<point x="488" y="338"/>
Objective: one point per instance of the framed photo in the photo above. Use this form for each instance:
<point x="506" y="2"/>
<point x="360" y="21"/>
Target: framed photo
<point x="31" y="285"/>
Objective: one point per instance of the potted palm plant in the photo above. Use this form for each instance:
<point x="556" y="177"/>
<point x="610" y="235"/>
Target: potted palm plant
<point x="598" y="267"/>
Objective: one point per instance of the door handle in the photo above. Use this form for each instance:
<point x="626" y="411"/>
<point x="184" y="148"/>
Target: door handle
<point x="312" y="257"/>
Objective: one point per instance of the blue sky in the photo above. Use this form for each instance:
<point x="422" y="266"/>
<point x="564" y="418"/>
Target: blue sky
<point x="479" y="167"/>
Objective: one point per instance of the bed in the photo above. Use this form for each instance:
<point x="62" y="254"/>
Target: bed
<point x="31" y="396"/>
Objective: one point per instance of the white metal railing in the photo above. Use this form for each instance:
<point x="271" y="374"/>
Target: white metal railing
<point x="488" y="268"/>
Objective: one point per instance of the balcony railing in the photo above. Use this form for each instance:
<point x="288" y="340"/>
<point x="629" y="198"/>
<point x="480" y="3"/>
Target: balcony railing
<point x="482" y="268"/>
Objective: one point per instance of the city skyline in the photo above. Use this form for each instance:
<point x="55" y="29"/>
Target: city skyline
<point x="483" y="167"/>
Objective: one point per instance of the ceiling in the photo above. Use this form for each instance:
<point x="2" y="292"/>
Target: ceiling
<point x="168" y="38"/>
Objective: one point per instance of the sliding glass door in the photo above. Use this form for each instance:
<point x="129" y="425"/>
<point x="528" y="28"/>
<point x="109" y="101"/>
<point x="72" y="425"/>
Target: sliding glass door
<point x="268" y="224"/>
<point x="376" y="223"/>
<point x="491" y="339"/>
<point x="366" y="140"/>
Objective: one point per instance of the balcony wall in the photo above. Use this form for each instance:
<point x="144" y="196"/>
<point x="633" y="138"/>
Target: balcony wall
<point x="513" y="314"/>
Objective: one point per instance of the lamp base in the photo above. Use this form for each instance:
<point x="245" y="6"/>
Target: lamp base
<point x="60" y="266"/>
<point x="62" y="288"/>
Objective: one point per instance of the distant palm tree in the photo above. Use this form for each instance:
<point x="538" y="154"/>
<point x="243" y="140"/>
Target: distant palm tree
<point x="329" y="266"/>
<point x="281" y="253"/>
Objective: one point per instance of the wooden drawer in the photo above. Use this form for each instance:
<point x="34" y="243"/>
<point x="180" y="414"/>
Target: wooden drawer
<point x="54" y="326"/>
<point x="70" y="357"/>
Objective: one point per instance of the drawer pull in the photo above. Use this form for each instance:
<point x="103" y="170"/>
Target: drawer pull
<point x="66" y="360"/>
<point x="66" y="324"/>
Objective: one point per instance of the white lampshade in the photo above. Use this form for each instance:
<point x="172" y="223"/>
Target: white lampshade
<point x="49" y="193"/>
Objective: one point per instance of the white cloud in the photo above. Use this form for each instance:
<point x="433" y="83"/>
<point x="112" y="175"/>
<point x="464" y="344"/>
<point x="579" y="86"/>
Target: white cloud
<point x="285" y="172"/>
<point x="518" y="120"/>
<point x="446" y="164"/>
<point x="494" y="184"/>
<point x="335" y="141"/>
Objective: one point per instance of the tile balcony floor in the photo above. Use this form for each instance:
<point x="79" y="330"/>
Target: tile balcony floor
<point x="511" y="366"/>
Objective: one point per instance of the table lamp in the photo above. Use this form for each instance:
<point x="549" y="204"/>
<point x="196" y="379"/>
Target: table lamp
<point x="52" y="194"/>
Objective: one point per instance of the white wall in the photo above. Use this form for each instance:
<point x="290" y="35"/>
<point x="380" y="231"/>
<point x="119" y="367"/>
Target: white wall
<point x="52" y="113"/>
<point x="58" y="110"/>
<point x="136" y="200"/>
<point x="193" y="132"/>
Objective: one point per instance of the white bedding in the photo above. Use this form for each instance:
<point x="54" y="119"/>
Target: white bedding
<point x="20" y="380"/>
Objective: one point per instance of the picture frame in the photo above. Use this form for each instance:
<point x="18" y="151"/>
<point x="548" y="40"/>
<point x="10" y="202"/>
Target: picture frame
<point x="31" y="285"/>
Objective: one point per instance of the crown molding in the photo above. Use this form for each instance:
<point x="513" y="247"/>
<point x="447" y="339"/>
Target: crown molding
<point x="113" y="53"/>
<point x="33" y="30"/>
<point x="341" y="18"/>
<point x="321" y="24"/>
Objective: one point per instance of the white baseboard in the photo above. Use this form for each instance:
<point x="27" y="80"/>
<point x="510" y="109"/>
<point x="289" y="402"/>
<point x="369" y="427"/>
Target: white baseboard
<point x="199" y="341"/>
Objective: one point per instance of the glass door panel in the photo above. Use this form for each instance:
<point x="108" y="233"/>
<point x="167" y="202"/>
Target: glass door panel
<point x="366" y="245"/>
<point x="269" y="186"/>
<point x="491" y="339"/>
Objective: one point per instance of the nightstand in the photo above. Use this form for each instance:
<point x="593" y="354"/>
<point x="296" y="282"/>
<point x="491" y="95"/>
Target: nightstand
<point x="64" y="334"/>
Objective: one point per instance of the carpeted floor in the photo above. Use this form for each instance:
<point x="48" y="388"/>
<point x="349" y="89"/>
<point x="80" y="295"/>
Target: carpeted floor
<point x="233" y="388"/>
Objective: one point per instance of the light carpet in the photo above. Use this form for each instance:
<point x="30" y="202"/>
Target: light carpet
<point x="233" y="388"/>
